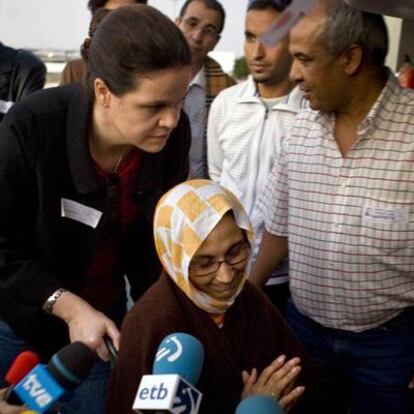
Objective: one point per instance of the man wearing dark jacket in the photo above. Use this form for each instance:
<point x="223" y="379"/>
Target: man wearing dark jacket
<point x="21" y="73"/>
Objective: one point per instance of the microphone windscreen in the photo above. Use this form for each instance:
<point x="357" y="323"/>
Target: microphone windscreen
<point x="181" y="354"/>
<point x="259" y="404"/>
<point x="71" y="365"/>
<point x="21" y="366"/>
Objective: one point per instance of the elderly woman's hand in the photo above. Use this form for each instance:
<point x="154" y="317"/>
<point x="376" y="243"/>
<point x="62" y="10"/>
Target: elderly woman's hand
<point x="277" y="380"/>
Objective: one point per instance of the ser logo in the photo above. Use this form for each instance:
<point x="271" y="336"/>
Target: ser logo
<point x="185" y="400"/>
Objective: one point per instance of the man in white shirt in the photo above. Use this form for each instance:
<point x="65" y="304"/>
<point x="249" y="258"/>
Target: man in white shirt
<point x="247" y="123"/>
<point x="201" y="22"/>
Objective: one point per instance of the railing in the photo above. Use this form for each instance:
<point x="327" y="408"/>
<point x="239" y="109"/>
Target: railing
<point x="55" y="61"/>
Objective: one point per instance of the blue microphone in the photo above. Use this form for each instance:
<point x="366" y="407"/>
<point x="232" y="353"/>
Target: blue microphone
<point x="259" y="404"/>
<point x="44" y="385"/>
<point x="176" y="369"/>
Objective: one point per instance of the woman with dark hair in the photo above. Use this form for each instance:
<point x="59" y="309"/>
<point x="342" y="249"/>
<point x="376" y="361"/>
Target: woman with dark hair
<point x="94" y="5"/>
<point x="75" y="70"/>
<point x="80" y="173"/>
<point x="203" y="236"/>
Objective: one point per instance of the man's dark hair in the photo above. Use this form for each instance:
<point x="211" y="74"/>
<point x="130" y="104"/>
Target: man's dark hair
<point x="210" y="4"/>
<point x="131" y="42"/>
<point x="94" y="5"/>
<point x="278" y="5"/>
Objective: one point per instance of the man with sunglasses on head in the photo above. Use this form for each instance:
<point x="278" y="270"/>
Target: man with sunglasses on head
<point x="201" y="22"/>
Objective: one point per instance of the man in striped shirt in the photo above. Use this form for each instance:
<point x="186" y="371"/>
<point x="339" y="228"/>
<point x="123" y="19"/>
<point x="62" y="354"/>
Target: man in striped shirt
<point x="247" y="122"/>
<point x="341" y="201"/>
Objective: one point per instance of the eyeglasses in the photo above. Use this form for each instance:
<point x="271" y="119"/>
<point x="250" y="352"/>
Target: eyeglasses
<point x="192" y="23"/>
<point x="235" y="255"/>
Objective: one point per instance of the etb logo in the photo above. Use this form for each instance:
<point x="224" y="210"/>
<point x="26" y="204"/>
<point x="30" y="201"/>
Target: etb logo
<point x="172" y="350"/>
<point x="167" y="392"/>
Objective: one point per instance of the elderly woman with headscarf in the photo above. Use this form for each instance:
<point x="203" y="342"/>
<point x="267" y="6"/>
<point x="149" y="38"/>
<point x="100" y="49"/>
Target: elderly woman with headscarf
<point x="202" y="237"/>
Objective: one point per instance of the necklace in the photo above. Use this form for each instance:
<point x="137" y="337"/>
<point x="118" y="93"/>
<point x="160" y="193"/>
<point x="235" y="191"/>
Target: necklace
<point x="114" y="171"/>
<point x="102" y="159"/>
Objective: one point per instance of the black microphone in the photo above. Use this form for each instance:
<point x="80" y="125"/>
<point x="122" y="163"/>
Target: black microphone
<point x="44" y="385"/>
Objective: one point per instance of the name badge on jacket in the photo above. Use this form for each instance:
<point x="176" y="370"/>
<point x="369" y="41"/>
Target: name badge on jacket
<point x="78" y="212"/>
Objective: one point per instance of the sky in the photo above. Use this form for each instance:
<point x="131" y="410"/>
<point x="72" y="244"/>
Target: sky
<point x="62" y="24"/>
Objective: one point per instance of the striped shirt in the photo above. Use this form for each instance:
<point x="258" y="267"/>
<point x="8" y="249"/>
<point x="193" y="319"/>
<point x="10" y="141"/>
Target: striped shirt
<point x="349" y="219"/>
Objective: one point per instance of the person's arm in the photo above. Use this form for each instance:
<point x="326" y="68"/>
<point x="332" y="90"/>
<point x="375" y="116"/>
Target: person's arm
<point x="273" y="203"/>
<point x="85" y="323"/>
<point x="26" y="279"/>
<point x="141" y="334"/>
<point x="273" y="249"/>
<point x="214" y="151"/>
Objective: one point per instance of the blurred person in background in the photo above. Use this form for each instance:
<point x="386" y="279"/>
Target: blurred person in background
<point x="201" y="22"/>
<point x="81" y="169"/>
<point x="75" y="70"/>
<point x="21" y="73"/>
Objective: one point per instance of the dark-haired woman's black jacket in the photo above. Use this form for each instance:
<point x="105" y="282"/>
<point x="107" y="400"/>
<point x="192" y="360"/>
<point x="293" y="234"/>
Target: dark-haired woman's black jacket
<point x="44" y="157"/>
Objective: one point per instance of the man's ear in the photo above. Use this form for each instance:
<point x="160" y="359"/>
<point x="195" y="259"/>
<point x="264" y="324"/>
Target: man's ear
<point x="178" y="21"/>
<point x="352" y="59"/>
<point x="103" y="95"/>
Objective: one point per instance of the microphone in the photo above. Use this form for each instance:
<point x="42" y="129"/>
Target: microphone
<point x="259" y="404"/>
<point x="176" y="370"/>
<point x="23" y="363"/>
<point x="44" y="385"/>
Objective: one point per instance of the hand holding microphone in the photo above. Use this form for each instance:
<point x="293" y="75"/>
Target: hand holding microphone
<point x="86" y="324"/>
<point x="277" y="381"/>
<point x="176" y="370"/>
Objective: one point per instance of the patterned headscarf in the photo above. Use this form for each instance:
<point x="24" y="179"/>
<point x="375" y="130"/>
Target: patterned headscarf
<point x="184" y="217"/>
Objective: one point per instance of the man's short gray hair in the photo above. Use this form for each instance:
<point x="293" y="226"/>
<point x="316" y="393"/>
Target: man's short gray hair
<point x="346" y="25"/>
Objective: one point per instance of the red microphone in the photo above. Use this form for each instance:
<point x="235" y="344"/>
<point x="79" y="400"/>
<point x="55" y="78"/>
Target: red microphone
<point x="21" y="366"/>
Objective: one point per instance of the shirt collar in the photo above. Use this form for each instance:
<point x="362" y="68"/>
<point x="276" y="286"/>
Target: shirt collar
<point x="199" y="79"/>
<point x="374" y="115"/>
